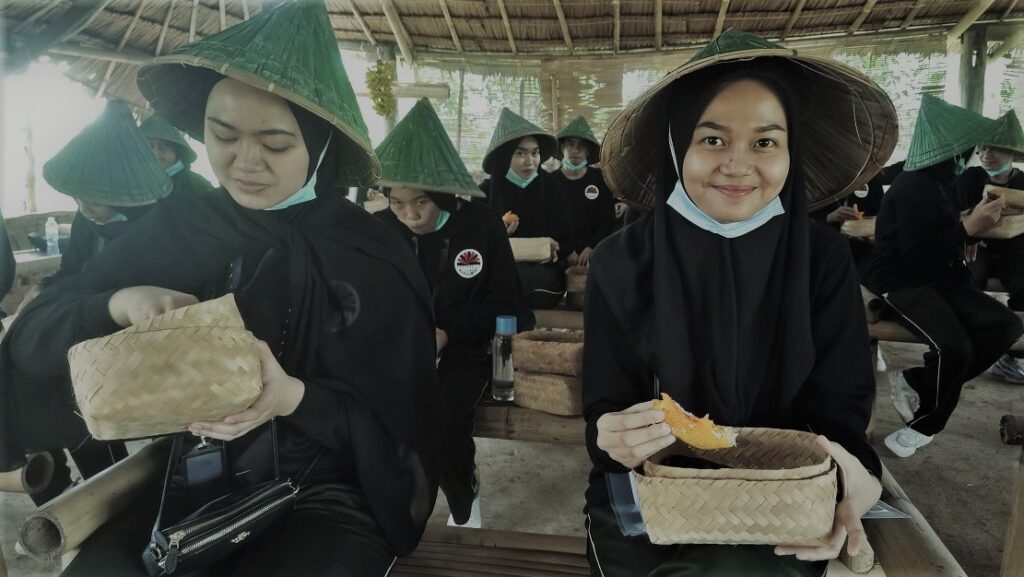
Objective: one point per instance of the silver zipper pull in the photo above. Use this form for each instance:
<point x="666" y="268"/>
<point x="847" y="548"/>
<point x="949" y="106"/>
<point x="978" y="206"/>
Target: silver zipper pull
<point x="172" y="552"/>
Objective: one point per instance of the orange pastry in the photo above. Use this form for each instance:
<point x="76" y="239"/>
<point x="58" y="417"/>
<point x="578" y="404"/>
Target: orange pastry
<point x="509" y="217"/>
<point x="694" y="431"/>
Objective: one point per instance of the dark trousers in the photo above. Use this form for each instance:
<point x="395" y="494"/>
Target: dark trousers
<point x="613" y="555"/>
<point x="965" y="330"/>
<point x="543" y="285"/>
<point x="91" y="457"/>
<point x="329" y="533"/>
<point x="1008" y="268"/>
<point x="463" y="374"/>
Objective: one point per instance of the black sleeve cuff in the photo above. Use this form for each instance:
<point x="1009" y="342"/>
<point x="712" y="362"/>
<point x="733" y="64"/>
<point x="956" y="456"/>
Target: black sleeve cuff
<point x="96" y="317"/>
<point x="319" y="414"/>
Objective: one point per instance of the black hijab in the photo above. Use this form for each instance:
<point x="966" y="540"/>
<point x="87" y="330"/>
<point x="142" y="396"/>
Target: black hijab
<point x="355" y="293"/>
<point x="723" y="323"/>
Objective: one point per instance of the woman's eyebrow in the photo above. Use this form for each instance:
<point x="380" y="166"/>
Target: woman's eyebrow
<point x="770" y="128"/>
<point x="267" y="132"/>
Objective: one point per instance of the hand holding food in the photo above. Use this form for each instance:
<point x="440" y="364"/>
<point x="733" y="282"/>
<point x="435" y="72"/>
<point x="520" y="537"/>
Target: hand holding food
<point x="701" y="433"/>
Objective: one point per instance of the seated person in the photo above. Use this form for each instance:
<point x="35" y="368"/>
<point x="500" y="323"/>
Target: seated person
<point x="535" y="198"/>
<point x="464" y="252"/>
<point x="590" y="200"/>
<point x="919" y="268"/>
<point x="174" y="154"/>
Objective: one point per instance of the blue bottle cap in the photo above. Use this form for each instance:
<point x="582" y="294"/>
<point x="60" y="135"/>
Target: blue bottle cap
<point x="506" y="325"/>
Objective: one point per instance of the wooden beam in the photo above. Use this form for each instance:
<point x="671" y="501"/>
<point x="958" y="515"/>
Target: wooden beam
<point x="361" y="22"/>
<point x="1007" y="45"/>
<point x="192" y="23"/>
<point x="45" y="10"/>
<point x="458" y="125"/>
<point x="223" y="16"/>
<point x="1009" y="9"/>
<point x="554" y="105"/>
<point x="163" y="30"/>
<point x="970" y="18"/>
<point x="451" y="25"/>
<point x="864" y="12"/>
<point x="721" y="18"/>
<point x="126" y="57"/>
<point x="913" y="12"/>
<point x="120" y="47"/>
<point x="793" y="18"/>
<point x="657" y="24"/>
<point x="74" y="17"/>
<point x="245" y="9"/>
<point x="401" y="35"/>
<point x="508" y="26"/>
<point x="85" y="22"/>
<point x="564" y="25"/>
<point x="617" y="26"/>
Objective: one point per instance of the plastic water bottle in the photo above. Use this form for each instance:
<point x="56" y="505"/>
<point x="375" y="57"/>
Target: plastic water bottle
<point x="52" y="237"/>
<point x="502" y="370"/>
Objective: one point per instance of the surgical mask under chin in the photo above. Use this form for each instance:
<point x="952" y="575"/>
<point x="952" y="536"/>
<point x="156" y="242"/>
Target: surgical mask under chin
<point x="519" y="181"/>
<point x="568" y="165"/>
<point x="175" y="168"/>
<point x="118" y="217"/>
<point x="442" y="219"/>
<point x="1000" y="171"/>
<point x="961" y="164"/>
<point x="308" y="191"/>
<point x="681" y="202"/>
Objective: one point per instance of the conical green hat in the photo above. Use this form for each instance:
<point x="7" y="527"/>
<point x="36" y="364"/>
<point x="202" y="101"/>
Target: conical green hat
<point x="1007" y="134"/>
<point x="512" y="127"/>
<point x="290" y="51"/>
<point x="157" y="128"/>
<point x="418" y="154"/>
<point x="942" y="131"/>
<point x="848" y="124"/>
<point x="109" y="162"/>
<point x="579" y="128"/>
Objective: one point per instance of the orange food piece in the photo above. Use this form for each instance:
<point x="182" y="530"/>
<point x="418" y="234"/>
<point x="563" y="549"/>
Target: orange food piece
<point x="701" y="433"/>
<point x="509" y="217"/>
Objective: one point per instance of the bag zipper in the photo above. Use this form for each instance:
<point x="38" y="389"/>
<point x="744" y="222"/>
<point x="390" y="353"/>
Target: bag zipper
<point x="174" y="550"/>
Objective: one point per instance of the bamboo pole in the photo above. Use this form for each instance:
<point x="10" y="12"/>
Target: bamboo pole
<point x="64" y="523"/>
<point x="451" y="25"/>
<point x="458" y="126"/>
<point x="32" y="478"/>
<point x="793" y="18"/>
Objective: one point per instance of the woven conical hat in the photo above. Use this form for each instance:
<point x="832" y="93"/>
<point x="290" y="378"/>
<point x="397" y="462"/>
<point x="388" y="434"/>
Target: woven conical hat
<point x="157" y="128"/>
<point x="942" y="131"/>
<point x="510" y="128"/>
<point x="1007" y="134"/>
<point x="579" y="128"/>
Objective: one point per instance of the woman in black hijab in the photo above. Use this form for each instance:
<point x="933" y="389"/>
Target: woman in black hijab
<point x="326" y="286"/>
<point x="728" y="298"/>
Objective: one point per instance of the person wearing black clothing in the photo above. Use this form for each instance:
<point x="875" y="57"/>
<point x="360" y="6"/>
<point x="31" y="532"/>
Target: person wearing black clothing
<point x="327" y="286"/>
<point x="464" y="252"/>
<point x="518" y="185"/>
<point x="920" y="269"/>
<point x="1002" y="259"/>
<point x="726" y="296"/>
<point x="174" y="154"/>
<point x="590" y="201"/>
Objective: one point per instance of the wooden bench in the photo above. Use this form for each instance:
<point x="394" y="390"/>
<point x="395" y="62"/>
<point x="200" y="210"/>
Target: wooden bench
<point x="19" y="227"/>
<point x="496" y="420"/>
<point x="893" y="332"/>
<point x="455" y="552"/>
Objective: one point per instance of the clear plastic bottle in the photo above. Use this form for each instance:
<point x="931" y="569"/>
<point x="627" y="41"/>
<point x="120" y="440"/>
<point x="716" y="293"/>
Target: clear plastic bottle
<point x="502" y="370"/>
<point x="52" y="233"/>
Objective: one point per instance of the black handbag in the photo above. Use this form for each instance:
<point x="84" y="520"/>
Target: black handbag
<point x="227" y="516"/>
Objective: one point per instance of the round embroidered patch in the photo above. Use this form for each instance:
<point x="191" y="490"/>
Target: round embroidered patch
<point x="469" y="263"/>
<point x="591" y="192"/>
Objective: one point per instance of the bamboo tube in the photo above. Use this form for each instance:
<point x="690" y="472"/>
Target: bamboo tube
<point x="64" y="523"/>
<point x="33" y="478"/>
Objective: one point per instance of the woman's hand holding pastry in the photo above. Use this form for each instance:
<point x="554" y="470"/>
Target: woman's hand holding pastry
<point x="862" y="492"/>
<point x="133" y="305"/>
<point x="280" y="397"/>
<point x="633" y="435"/>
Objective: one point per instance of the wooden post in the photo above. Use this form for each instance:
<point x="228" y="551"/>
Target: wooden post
<point x="973" y="57"/>
<point x="1012" y="433"/>
<point x="458" y="122"/>
<point x="554" y="104"/>
<point x="30" y="177"/>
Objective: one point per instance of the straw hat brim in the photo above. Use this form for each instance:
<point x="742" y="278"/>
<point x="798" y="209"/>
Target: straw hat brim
<point x="457" y="190"/>
<point x="848" y="122"/>
<point x="185" y="110"/>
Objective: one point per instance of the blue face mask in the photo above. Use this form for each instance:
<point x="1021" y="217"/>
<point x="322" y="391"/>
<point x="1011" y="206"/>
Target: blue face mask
<point x="568" y="165"/>
<point x="307" y="192"/>
<point x="519" y="181"/>
<point x="175" y="168"/>
<point x="1000" y="171"/>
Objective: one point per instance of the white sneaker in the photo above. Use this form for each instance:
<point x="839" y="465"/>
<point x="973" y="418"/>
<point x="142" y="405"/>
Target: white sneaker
<point x="906" y="441"/>
<point x="1009" y="369"/>
<point x="905" y="400"/>
<point x="880" y="366"/>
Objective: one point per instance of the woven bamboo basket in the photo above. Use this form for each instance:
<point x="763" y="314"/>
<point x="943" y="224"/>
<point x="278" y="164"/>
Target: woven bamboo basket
<point x="1012" y="196"/>
<point x="863" y="228"/>
<point x="554" y="352"/>
<point x="1009" y="226"/>
<point x="555" y="394"/>
<point x="531" y="249"/>
<point x="775" y="487"/>
<point x="192" y="364"/>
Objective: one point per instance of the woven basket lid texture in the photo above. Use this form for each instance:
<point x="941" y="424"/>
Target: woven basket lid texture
<point x="847" y="123"/>
<point x="510" y="128"/>
<point x="942" y="131"/>
<point x="579" y="128"/>
<point x="289" y="50"/>
<point x="109" y="162"/>
<point x="418" y="153"/>
<point x="156" y="127"/>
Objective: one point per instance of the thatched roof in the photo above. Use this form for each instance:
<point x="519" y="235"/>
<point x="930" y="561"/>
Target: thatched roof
<point x="106" y="40"/>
